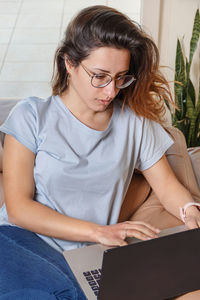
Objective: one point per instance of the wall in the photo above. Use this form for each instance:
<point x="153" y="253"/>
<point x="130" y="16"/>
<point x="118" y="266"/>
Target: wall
<point x="177" y="22"/>
<point x="29" y="34"/>
<point x="167" y="20"/>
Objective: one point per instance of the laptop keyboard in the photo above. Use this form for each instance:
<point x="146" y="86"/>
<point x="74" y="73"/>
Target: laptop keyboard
<point x="93" y="279"/>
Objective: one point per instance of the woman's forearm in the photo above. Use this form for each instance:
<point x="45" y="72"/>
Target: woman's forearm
<point x="36" y="217"/>
<point x="171" y="193"/>
<point x="175" y="198"/>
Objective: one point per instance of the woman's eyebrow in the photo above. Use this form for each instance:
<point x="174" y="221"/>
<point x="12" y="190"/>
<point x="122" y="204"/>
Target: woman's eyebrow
<point x="105" y="71"/>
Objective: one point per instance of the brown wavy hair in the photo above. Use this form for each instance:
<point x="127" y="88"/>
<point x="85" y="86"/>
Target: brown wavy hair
<point x="102" y="26"/>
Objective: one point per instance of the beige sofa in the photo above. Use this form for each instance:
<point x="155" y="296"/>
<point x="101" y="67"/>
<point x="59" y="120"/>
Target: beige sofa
<point x="141" y="203"/>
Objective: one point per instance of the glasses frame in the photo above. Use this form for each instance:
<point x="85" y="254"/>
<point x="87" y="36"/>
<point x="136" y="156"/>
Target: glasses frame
<point x="111" y="78"/>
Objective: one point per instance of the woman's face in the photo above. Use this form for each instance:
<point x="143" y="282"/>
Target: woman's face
<point x="100" y="62"/>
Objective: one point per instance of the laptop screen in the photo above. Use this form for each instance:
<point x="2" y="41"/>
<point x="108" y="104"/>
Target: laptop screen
<point x="156" y="269"/>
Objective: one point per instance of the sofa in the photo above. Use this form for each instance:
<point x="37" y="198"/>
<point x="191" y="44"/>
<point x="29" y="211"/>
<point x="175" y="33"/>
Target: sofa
<point x="141" y="203"/>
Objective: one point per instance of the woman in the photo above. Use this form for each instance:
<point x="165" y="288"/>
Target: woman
<point x="74" y="155"/>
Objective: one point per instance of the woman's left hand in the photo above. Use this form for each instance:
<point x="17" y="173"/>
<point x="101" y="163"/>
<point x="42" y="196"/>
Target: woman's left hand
<point x="192" y="218"/>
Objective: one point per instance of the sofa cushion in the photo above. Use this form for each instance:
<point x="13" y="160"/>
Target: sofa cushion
<point x="180" y="162"/>
<point x="5" y="107"/>
<point x="153" y="212"/>
<point x="195" y="159"/>
<point x="137" y="193"/>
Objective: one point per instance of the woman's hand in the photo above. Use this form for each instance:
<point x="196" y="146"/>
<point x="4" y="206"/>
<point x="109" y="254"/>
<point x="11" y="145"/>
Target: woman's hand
<point x="192" y="218"/>
<point x="115" y="235"/>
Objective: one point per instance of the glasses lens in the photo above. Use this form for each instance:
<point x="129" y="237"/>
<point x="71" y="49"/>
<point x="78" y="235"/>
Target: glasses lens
<point x="101" y="80"/>
<point x="124" y="81"/>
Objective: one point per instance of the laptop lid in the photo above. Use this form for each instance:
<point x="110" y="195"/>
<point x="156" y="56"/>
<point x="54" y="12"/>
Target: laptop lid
<point x="156" y="269"/>
<point x="90" y="258"/>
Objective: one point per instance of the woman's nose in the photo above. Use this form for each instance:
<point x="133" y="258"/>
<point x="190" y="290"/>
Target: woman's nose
<point x="111" y="90"/>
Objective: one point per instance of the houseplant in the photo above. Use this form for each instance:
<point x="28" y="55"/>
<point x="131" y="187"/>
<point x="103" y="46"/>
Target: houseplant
<point x="187" y="117"/>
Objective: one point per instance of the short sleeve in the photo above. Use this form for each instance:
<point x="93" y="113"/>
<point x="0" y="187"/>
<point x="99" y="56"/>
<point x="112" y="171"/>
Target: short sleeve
<point x="21" y="123"/>
<point x="154" y="143"/>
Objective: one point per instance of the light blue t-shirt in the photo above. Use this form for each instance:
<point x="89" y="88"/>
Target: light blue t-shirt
<point x="81" y="172"/>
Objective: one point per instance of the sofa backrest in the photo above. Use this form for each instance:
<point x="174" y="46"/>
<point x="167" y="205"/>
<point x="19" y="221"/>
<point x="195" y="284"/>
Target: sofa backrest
<point x="5" y="108"/>
<point x="195" y="159"/>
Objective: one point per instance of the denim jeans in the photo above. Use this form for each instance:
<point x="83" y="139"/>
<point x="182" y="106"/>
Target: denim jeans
<point x="32" y="270"/>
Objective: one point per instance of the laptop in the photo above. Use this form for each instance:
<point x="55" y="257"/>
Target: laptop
<point x="156" y="269"/>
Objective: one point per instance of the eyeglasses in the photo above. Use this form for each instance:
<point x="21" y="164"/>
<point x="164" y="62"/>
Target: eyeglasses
<point x="101" y="80"/>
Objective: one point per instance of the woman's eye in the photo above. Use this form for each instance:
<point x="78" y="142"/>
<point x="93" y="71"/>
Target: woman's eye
<point x="100" y="76"/>
<point x="120" y="77"/>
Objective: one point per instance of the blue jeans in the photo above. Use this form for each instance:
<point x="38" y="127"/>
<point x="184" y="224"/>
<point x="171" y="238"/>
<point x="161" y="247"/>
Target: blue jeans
<point x="32" y="270"/>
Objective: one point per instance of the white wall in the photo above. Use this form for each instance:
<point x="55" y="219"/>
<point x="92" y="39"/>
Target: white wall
<point x="150" y="18"/>
<point x="131" y="7"/>
<point x="29" y="33"/>
<point x="177" y="22"/>
<point x="167" y="20"/>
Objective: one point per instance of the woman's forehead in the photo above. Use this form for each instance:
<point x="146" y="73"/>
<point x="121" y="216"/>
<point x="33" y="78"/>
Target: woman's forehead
<point x="108" y="57"/>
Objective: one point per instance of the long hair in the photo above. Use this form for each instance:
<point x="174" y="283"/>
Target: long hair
<point x="102" y="26"/>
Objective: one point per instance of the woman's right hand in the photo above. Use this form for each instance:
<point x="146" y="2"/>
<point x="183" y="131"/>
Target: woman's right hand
<point x="116" y="234"/>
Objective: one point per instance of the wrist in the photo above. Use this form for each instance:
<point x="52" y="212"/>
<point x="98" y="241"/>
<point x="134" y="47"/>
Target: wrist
<point x="190" y="208"/>
<point x="96" y="233"/>
<point x="99" y="233"/>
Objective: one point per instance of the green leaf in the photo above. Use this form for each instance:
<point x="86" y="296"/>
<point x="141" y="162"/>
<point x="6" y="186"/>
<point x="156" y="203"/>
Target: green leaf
<point x="195" y="35"/>
<point x="197" y="125"/>
<point x="193" y="113"/>
<point x="191" y="91"/>
<point x="179" y="86"/>
<point x="187" y="67"/>
<point x="180" y="99"/>
<point x="179" y="64"/>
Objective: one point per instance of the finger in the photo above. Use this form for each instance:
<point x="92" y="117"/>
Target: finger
<point x="157" y="230"/>
<point x="122" y="243"/>
<point x="118" y="242"/>
<point x="112" y="241"/>
<point x="141" y="228"/>
<point x="139" y="235"/>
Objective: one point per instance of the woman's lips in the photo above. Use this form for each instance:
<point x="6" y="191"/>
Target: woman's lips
<point x="103" y="101"/>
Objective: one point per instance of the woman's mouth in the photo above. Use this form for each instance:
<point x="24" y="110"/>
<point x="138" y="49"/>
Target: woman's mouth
<point x="104" y="101"/>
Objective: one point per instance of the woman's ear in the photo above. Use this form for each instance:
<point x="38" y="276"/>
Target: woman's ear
<point x="68" y="64"/>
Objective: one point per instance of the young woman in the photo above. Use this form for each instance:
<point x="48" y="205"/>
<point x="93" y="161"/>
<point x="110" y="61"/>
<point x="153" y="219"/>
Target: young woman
<point x="68" y="159"/>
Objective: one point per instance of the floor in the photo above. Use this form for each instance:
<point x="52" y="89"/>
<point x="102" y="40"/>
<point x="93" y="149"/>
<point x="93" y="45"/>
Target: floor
<point x="29" y="34"/>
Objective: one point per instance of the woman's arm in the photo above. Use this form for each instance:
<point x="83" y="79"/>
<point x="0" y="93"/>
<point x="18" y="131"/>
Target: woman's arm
<point x="19" y="187"/>
<point x="172" y="194"/>
<point x="18" y="165"/>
